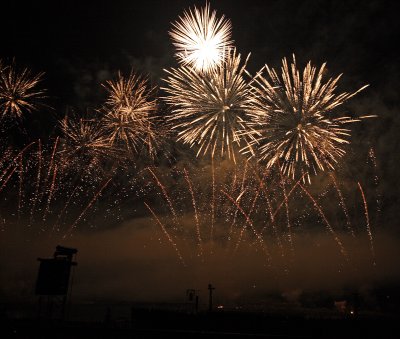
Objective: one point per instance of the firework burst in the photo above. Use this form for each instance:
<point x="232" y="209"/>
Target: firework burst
<point x="19" y="91"/>
<point x="130" y="113"/>
<point x="201" y="38"/>
<point x="85" y="140"/>
<point x="296" y="118"/>
<point x="210" y="109"/>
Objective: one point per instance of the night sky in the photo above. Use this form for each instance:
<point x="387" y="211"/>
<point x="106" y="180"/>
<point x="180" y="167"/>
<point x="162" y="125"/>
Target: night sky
<point x="80" y="44"/>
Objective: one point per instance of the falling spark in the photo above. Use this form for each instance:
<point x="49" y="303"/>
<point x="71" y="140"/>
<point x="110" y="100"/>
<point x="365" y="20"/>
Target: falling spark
<point x="212" y="202"/>
<point x="250" y="223"/>
<point x="343" y="205"/>
<point x="371" y="240"/>
<point x="20" y="189"/>
<point x="286" y="199"/>
<point x="238" y="198"/>
<point x="297" y="120"/>
<point x="210" y="110"/>
<point x="64" y="208"/>
<point x="201" y="38"/>
<point x="372" y="157"/>
<point x="328" y="225"/>
<point x="174" y="245"/>
<point x="85" y="139"/>
<point x="51" y="191"/>
<point x="199" y="240"/>
<point x="75" y="223"/>
<point x="37" y="185"/>
<point x="7" y="178"/>
<point x="272" y="215"/>
<point x="166" y="196"/>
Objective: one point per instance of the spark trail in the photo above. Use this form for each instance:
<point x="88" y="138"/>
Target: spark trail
<point x="250" y="223"/>
<point x="371" y="240"/>
<point x="166" y="196"/>
<point x="195" y="212"/>
<point x="73" y="226"/>
<point x="343" y="204"/>
<point x="328" y="225"/>
<point x="286" y="199"/>
<point x="174" y="245"/>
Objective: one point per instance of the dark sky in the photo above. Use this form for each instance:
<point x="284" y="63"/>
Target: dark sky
<point x="354" y="37"/>
<point x="79" y="44"/>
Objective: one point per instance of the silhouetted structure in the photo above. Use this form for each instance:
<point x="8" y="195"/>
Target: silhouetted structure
<point x="193" y="296"/>
<point x="210" y="291"/>
<point x="54" y="282"/>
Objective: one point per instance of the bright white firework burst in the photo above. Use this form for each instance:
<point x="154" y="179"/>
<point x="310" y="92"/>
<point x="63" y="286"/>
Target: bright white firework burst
<point x="210" y="109"/>
<point x="296" y="119"/>
<point x="201" y="38"/>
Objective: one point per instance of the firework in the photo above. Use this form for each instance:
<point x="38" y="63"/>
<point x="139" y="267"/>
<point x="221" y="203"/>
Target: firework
<point x="19" y="92"/>
<point x="210" y="109"/>
<point x="371" y="239"/>
<point x="85" y="140"/>
<point x="200" y="38"/>
<point x="297" y="120"/>
<point x="129" y="113"/>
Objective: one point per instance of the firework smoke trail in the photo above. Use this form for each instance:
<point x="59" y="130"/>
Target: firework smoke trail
<point x="269" y="208"/>
<point x="233" y="186"/>
<point x="343" y="204"/>
<point x="201" y="38"/>
<point x="238" y="198"/>
<point x="12" y="162"/>
<point x="51" y="161"/>
<point x="289" y="194"/>
<point x="289" y="228"/>
<point x="371" y="240"/>
<point x="20" y="185"/>
<point x="73" y="226"/>
<point x="64" y="208"/>
<point x="212" y="202"/>
<point x="51" y="191"/>
<point x="174" y="245"/>
<point x="273" y="225"/>
<point x="166" y="196"/>
<point x="372" y="157"/>
<point x="295" y="119"/>
<point x="199" y="240"/>
<point x="273" y="214"/>
<point x="8" y="178"/>
<point x="328" y="225"/>
<point x="250" y="223"/>
<point x="258" y="191"/>
<point x="46" y="179"/>
<point x="209" y="111"/>
<point x="38" y="177"/>
<point x="18" y="92"/>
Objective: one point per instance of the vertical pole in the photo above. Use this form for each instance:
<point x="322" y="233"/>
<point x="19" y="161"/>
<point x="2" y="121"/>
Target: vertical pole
<point x="210" y="289"/>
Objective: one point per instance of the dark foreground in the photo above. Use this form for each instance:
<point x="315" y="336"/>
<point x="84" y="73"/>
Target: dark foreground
<point x="226" y="324"/>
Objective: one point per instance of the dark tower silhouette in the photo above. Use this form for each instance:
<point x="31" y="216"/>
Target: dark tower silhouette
<point x="210" y="291"/>
<point x="54" y="281"/>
